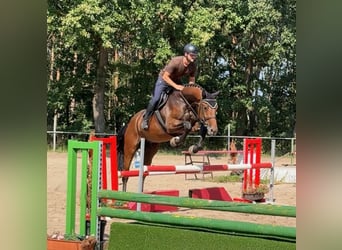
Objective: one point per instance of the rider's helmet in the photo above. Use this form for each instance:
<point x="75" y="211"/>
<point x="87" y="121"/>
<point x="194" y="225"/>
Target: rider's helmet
<point x="191" y="49"/>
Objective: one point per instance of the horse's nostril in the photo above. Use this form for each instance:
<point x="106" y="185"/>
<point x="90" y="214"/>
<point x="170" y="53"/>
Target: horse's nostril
<point x="212" y="131"/>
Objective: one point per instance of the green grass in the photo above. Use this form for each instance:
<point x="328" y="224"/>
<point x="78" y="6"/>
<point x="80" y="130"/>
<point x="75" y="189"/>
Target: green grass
<point x="230" y="178"/>
<point x="224" y="178"/>
<point x="146" y="236"/>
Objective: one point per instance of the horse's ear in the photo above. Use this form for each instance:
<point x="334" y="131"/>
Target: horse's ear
<point x="215" y="94"/>
<point x="212" y="95"/>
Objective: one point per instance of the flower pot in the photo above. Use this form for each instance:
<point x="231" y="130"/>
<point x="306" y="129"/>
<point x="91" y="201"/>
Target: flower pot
<point x="53" y="244"/>
<point x="87" y="244"/>
<point x="253" y="197"/>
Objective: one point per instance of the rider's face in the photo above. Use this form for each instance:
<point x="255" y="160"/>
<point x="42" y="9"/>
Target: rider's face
<point x="191" y="57"/>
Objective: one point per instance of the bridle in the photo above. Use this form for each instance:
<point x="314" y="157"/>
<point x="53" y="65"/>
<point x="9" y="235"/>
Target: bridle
<point x="197" y="109"/>
<point x="200" y="114"/>
<point x="212" y="104"/>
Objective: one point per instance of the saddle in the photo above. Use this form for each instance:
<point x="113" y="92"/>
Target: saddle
<point x="163" y="98"/>
<point x="162" y="101"/>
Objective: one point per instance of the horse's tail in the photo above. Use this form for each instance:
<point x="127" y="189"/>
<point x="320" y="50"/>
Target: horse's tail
<point x="120" y="147"/>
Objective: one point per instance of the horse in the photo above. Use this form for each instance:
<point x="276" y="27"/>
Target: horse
<point x="178" y="113"/>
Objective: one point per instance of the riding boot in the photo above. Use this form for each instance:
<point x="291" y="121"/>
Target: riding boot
<point x="148" y="113"/>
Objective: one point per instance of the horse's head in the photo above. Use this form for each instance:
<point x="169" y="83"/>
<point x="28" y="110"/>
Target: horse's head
<point x="207" y="111"/>
<point x="206" y="107"/>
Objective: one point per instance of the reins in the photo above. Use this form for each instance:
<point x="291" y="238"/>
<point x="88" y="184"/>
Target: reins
<point x="196" y="114"/>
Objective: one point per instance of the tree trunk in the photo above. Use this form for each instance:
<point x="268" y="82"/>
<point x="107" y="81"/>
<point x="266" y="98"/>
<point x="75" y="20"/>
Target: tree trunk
<point x="242" y="114"/>
<point x="249" y="92"/>
<point x="99" y="91"/>
<point x="115" y="86"/>
<point x="241" y="125"/>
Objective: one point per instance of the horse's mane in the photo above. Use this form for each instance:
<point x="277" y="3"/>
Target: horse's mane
<point x="203" y="91"/>
<point x="193" y="86"/>
<point x="210" y="98"/>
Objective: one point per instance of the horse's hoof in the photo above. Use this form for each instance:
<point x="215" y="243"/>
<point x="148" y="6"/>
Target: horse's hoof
<point x="174" y="142"/>
<point x="193" y="149"/>
<point x="187" y="125"/>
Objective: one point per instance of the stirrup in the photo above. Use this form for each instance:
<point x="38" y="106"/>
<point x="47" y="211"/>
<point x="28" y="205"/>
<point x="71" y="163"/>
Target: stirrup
<point x="144" y="125"/>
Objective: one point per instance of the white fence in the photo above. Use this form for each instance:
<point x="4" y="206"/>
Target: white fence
<point x="285" y="149"/>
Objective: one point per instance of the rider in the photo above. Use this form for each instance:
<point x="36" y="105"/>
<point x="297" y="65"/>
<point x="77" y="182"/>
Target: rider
<point x="170" y="76"/>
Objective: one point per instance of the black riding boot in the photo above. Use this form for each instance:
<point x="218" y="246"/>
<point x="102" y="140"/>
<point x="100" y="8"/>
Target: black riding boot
<point x="148" y="113"/>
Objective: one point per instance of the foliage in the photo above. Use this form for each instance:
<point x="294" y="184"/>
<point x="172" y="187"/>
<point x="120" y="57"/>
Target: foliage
<point x="104" y="56"/>
<point x="73" y="236"/>
<point x="225" y="178"/>
<point x="261" y="189"/>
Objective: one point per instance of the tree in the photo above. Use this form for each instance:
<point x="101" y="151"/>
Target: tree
<point x="107" y="55"/>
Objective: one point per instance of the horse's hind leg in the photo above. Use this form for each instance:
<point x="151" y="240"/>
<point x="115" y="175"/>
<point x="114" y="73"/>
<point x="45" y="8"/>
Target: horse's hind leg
<point x="124" y="183"/>
<point x="150" y="150"/>
<point x="131" y="146"/>
<point x="129" y="154"/>
<point x="177" y="140"/>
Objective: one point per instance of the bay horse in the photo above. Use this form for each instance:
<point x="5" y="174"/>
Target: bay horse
<point x="178" y="114"/>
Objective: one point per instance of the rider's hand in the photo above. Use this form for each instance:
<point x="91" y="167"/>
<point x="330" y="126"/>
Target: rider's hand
<point x="180" y="87"/>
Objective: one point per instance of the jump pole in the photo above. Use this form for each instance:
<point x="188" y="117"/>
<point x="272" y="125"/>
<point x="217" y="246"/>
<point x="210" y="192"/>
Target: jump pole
<point x="196" y="203"/>
<point x="251" y="166"/>
<point x="188" y="169"/>
<point x="200" y="222"/>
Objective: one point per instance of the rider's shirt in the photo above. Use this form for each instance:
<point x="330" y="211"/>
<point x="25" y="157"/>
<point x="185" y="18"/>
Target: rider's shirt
<point x="177" y="69"/>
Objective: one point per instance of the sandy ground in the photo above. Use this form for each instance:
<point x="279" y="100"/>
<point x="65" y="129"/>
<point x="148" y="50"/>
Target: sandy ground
<point x="284" y="194"/>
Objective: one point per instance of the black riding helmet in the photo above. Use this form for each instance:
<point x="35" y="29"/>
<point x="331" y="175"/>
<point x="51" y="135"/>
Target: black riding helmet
<point x="189" y="48"/>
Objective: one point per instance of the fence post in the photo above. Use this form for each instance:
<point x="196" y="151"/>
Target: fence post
<point x="73" y="147"/>
<point x="273" y="143"/>
<point x="141" y="170"/>
<point x="252" y="154"/>
<point x="111" y="142"/>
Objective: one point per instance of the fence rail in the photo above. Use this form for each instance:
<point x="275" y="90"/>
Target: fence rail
<point x="57" y="140"/>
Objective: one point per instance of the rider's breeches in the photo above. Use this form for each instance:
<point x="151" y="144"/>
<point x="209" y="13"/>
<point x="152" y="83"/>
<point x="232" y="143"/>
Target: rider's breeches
<point x="159" y="87"/>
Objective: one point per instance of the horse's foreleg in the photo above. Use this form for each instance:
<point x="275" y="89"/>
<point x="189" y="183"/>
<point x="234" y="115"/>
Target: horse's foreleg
<point x="193" y="149"/>
<point x="197" y="147"/>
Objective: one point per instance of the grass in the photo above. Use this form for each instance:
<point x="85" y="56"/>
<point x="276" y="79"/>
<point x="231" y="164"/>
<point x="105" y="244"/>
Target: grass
<point x="147" y="236"/>
<point x="224" y="178"/>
